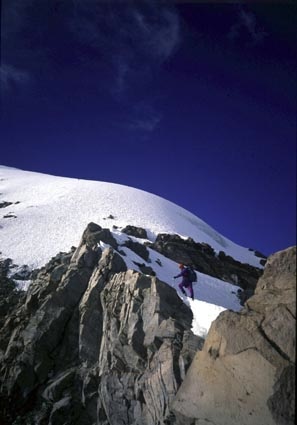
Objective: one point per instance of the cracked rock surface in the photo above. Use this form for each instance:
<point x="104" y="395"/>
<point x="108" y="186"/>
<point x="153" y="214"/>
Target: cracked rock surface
<point x="94" y="343"/>
<point x="245" y="373"/>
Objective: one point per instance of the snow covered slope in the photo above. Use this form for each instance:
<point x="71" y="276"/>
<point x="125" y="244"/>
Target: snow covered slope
<point x="48" y="214"/>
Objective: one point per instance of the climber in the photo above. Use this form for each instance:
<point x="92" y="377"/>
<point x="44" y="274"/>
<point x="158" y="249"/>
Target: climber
<point x="186" y="282"/>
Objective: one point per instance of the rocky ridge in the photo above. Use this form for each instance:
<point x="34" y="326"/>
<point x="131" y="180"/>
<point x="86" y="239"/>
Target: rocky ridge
<point x="200" y="255"/>
<point x="94" y="343"/>
<point x="204" y="259"/>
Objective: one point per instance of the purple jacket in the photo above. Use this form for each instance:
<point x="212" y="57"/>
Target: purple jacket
<point x="185" y="275"/>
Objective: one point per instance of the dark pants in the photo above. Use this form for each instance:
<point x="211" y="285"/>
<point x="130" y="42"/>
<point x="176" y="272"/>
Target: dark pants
<point x="189" y="287"/>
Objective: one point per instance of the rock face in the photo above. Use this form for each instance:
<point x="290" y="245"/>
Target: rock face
<point x="200" y="255"/>
<point x="10" y="297"/>
<point x="94" y="343"/>
<point x="245" y="373"/>
<point x="204" y="259"/>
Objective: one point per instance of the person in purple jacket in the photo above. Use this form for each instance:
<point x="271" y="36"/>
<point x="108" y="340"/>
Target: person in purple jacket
<point x="185" y="283"/>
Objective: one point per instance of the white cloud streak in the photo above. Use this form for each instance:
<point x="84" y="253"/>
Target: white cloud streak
<point x="247" y="22"/>
<point x="11" y="77"/>
<point x="145" y="43"/>
<point x="133" y="38"/>
<point x="147" y="124"/>
<point x="124" y="44"/>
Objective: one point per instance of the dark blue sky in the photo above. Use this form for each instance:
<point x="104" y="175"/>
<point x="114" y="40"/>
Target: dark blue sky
<point x="195" y="103"/>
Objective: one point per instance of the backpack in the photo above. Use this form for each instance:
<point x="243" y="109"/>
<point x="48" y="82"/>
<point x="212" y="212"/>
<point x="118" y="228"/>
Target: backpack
<point x="191" y="274"/>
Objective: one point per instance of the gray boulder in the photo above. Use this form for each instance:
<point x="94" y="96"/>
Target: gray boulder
<point x="245" y="373"/>
<point x="137" y="232"/>
<point x="138" y="248"/>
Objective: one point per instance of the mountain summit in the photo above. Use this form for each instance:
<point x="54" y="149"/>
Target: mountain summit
<point x="101" y="335"/>
<point x="43" y="215"/>
<point x="50" y="213"/>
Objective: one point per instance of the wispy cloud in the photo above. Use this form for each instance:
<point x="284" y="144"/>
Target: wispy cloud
<point x="144" y="117"/>
<point x="138" y="40"/>
<point x="24" y="28"/>
<point x="133" y="37"/>
<point x="247" y="24"/>
<point x="119" y="46"/>
<point x="157" y="31"/>
<point x="10" y="77"/>
<point x="133" y="40"/>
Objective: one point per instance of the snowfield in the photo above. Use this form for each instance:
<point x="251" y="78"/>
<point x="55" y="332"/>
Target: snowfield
<point x="48" y="214"/>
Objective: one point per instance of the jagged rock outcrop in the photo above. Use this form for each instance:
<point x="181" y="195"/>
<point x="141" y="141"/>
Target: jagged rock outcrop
<point x="137" y="232"/>
<point x="200" y="255"/>
<point x="204" y="259"/>
<point x="245" y="373"/>
<point x="10" y="297"/>
<point x="94" y="343"/>
<point x="4" y="204"/>
<point x="139" y="249"/>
